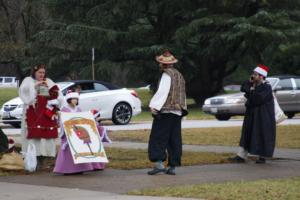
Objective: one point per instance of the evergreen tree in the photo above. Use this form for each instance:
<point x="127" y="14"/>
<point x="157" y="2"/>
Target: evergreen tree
<point x="211" y="38"/>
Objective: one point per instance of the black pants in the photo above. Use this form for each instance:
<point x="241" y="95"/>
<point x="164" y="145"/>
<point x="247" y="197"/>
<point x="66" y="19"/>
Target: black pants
<point x="166" y="136"/>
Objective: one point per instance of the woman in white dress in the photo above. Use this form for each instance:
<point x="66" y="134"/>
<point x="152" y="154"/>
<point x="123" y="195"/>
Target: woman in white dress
<point x="39" y="122"/>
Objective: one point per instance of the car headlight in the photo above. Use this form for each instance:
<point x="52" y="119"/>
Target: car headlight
<point x="207" y="102"/>
<point x="233" y="101"/>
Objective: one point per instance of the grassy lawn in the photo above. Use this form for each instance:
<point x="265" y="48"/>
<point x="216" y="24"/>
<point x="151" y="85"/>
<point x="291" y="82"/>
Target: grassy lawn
<point x="287" y="136"/>
<point x="242" y="190"/>
<point x="138" y="158"/>
<point x="128" y="159"/>
<point x="195" y="112"/>
<point x="7" y="94"/>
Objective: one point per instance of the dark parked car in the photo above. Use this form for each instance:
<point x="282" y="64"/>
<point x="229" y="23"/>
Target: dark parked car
<point x="286" y="89"/>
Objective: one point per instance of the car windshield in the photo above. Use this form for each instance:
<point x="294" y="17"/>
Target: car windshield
<point x="272" y="81"/>
<point x="63" y="85"/>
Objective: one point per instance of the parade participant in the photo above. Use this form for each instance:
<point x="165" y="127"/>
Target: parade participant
<point x="37" y="128"/>
<point x="7" y="145"/>
<point x="101" y="129"/>
<point x="259" y="126"/>
<point x="3" y="142"/>
<point x="103" y="135"/>
<point x="168" y="106"/>
<point x="64" y="162"/>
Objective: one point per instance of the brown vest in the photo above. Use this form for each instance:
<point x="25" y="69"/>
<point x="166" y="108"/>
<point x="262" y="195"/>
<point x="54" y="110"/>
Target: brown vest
<point x="177" y="97"/>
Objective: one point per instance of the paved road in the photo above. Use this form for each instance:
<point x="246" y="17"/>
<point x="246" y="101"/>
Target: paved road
<point x="122" y="181"/>
<point x="112" y="184"/>
<point x="185" y="124"/>
<point x="15" y="191"/>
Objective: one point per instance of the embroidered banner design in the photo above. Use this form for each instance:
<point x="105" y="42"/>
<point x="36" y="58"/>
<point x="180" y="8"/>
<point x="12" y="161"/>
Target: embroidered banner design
<point x="83" y="137"/>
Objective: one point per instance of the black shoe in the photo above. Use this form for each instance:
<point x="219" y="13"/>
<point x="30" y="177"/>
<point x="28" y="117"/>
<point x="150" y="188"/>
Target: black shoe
<point x="260" y="160"/>
<point x="237" y="159"/>
<point x="156" y="171"/>
<point x="171" y="171"/>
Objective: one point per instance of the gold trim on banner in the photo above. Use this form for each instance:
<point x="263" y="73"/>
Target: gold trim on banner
<point x="99" y="154"/>
<point x="68" y="124"/>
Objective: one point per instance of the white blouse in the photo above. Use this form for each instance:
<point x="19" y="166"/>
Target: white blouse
<point x="161" y="95"/>
<point x="28" y="93"/>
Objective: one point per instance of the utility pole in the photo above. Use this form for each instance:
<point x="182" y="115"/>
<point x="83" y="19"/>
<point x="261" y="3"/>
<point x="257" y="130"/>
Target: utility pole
<point x="93" y="67"/>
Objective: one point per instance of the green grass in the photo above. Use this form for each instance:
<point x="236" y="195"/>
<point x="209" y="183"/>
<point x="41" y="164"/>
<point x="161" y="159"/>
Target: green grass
<point x="242" y="190"/>
<point x="138" y="158"/>
<point x="195" y="112"/>
<point x="129" y="159"/>
<point x="7" y="94"/>
<point x="287" y="136"/>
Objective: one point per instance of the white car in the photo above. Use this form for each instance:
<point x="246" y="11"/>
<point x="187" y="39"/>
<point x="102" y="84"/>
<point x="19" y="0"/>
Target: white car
<point x="116" y="104"/>
<point x="8" y="81"/>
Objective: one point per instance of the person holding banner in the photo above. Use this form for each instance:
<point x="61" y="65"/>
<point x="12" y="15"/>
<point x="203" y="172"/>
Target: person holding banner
<point x="64" y="162"/>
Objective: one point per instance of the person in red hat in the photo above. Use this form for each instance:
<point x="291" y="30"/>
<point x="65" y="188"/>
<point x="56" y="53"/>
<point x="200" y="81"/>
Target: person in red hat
<point x="168" y="106"/>
<point x="259" y="126"/>
<point x="39" y="124"/>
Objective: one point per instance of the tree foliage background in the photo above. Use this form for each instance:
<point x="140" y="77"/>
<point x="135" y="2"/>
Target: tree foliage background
<point x="214" y="40"/>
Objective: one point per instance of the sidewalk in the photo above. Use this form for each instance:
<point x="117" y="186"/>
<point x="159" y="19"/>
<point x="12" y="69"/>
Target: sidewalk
<point x="123" y="181"/>
<point x="13" y="191"/>
<point x="185" y="124"/>
<point x="114" y="184"/>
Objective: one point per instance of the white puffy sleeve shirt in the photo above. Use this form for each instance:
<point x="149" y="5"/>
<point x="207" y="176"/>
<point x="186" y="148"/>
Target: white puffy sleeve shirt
<point x="27" y="91"/>
<point x="161" y="95"/>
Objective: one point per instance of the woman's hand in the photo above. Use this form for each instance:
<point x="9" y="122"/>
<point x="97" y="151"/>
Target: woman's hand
<point x="39" y="83"/>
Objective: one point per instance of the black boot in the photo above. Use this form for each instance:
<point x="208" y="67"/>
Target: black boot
<point x="260" y="160"/>
<point x="40" y="162"/>
<point x="237" y="159"/>
<point x="156" y="170"/>
<point x="171" y="171"/>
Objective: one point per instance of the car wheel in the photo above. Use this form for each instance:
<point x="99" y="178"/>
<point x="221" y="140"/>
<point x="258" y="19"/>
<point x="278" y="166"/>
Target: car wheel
<point x="16" y="124"/>
<point x="122" y="114"/>
<point x="290" y="115"/>
<point x="223" y="117"/>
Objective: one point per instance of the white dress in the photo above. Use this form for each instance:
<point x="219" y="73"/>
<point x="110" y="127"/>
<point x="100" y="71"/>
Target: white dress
<point x="28" y="93"/>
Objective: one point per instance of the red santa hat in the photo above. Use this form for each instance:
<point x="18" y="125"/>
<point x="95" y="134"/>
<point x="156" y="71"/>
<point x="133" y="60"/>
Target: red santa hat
<point x="95" y="112"/>
<point x="72" y="95"/>
<point x="262" y="70"/>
